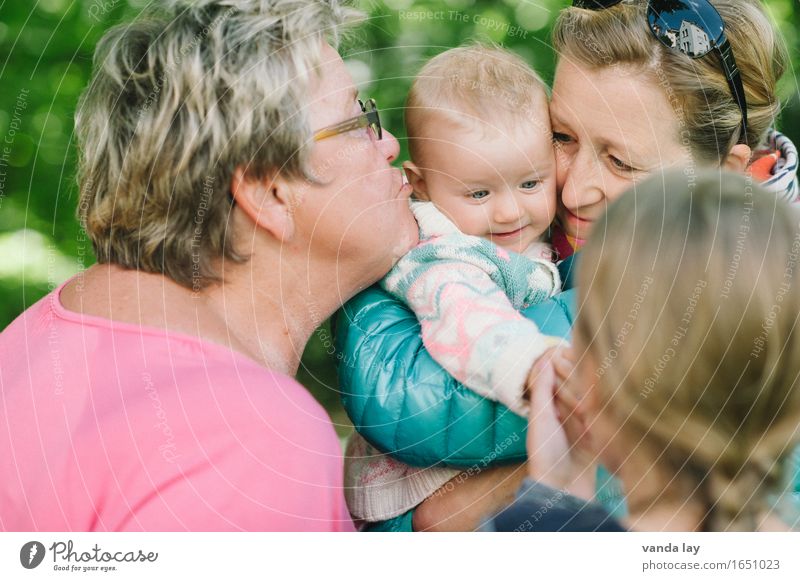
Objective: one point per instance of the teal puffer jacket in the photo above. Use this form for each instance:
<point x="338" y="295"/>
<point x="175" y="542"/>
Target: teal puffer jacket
<point x="405" y="404"/>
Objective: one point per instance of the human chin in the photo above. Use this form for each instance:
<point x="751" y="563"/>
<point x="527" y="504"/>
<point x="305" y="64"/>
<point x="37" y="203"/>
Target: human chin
<point x="400" y="231"/>
<point x="408" y="237"/>
<point x="577" y="227"/>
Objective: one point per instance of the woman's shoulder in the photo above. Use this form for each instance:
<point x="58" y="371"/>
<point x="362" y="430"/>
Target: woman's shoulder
<point x="123" y="368"/>
<point x="540" y="508"/>
<point x="151" y="411"/>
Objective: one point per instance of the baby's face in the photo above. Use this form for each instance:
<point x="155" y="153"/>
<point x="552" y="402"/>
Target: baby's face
<point x="492" y="182"/>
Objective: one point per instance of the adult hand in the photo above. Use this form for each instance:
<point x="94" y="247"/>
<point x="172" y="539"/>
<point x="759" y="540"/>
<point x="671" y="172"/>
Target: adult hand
<point x="574" y="398"/>
<point x="463" y="503"/>
<point x="547" y="443"/>
<point x="559" y="445"/>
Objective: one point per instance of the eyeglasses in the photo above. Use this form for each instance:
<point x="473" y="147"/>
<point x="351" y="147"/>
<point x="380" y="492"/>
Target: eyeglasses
<point x="695" y="28"/>
<point x="369" y="118"/>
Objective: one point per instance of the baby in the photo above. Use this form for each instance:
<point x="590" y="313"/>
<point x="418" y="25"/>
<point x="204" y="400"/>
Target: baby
<point x="484" y="177"/>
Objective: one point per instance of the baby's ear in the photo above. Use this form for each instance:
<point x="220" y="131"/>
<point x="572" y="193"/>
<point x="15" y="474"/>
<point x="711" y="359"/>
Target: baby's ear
<point x="414" y="177"/>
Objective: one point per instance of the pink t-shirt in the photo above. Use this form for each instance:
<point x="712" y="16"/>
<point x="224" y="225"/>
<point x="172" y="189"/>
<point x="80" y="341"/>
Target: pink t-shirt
<point x="115" y="427"/>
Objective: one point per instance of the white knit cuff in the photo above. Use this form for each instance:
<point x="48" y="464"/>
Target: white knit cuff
<point x="513" y="364"/>
<point x="378" y="487"/>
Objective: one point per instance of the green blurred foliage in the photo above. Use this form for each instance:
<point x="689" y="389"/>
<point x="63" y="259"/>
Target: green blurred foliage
<point x="46" y="52"/>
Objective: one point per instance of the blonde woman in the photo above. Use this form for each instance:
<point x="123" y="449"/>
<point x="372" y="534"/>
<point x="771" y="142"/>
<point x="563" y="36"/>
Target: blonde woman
<point x="687" y="383"/>
<point x="630" y="98"/>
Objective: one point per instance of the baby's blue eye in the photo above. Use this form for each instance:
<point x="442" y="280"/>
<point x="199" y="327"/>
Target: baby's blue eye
<point x="529" y="185"/>
<point x="479" y="195"/>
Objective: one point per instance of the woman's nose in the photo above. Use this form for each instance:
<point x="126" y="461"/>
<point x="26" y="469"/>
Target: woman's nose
<point x="582" y="183"/>
<point x="389" y="145"/>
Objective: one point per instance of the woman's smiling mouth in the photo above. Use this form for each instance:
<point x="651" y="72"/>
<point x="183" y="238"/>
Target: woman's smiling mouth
<point x="577" y="220"/>
<point x="508" y="235"/>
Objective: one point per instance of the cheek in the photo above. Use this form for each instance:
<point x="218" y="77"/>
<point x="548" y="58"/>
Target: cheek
<point x="550" y="198"/>
<point x="350" y="213"/>
<point x="541" y="206"/>
<point x="382" y="225"/>
<point x="470" y="219"/>
<point x="562" y="167"/>
<point x="614" y="186"/>
<point x="452" y="207"/>
<point x="374" y="193"/>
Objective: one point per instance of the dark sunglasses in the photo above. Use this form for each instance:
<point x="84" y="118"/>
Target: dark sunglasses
<point x="368" y="118"/>
<point x="695" y="28"/>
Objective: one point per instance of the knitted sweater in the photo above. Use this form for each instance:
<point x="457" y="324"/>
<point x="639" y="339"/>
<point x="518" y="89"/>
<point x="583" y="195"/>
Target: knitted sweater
<point x="466" y="293"/>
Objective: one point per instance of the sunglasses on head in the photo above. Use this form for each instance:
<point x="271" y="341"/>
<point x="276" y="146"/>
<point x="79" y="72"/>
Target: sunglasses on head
<point x="695" y="28"/>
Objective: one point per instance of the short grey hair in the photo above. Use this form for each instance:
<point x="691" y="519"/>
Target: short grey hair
<point x="180" y="98"/>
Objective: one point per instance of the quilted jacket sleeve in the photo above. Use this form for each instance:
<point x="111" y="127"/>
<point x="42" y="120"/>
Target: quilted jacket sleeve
<point x="405" y="404"/>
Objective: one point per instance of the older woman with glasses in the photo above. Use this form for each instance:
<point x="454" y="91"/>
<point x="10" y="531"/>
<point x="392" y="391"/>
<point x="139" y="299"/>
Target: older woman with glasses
<point x="154" y="391"/>
<point x="640" y="86"/>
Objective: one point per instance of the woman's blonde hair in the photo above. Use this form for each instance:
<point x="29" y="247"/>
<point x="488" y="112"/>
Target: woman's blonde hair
<point x="178" y="100"/>
<point x="696" y="88"/>
<point x="690" y="294"/>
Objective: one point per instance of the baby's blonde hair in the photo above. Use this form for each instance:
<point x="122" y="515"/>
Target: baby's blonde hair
<point x="696" y="87"/>
<point x="475" y="83"/>
<point x="689" y="299"/>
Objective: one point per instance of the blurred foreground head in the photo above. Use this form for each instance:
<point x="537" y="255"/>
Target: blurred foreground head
<point x="690" y="293"/>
